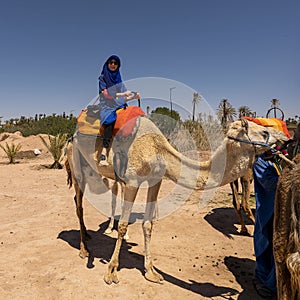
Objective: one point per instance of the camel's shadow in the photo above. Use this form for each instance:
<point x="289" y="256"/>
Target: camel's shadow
<point x="243" y="271"/>
<point x="225" y="220"/>
<point x="101" y="246"/>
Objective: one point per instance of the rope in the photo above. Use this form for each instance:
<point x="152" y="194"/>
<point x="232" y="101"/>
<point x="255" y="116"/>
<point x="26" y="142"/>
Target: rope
<point x="266" y="145"/>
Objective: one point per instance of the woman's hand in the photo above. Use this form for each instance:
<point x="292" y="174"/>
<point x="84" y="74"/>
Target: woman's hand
<point x="129" y="95"/>
<point x="132" y="96"/>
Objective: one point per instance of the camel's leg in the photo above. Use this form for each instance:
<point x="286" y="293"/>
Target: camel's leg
<point x="150" y="214"/>
<point x="126" y="237"/>
<point x="83" y="232"/>
<point x="130" y="194"/>
<point x="245" y="182"/>
<point x="237" y="206"/>
<point x="114" y="191"/>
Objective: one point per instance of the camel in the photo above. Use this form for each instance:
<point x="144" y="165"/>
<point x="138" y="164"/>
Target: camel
<point x="286" y="238"/>
<point x="149" y="159"/>
<point x="245" y="181"/>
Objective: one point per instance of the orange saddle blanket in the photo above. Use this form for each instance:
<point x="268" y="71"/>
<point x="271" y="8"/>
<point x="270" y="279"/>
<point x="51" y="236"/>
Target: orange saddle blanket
<point x="124" y="126"/>
<point x="271" y="122"/>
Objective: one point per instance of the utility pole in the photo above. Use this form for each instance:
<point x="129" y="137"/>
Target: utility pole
<point x="172" y="88"/>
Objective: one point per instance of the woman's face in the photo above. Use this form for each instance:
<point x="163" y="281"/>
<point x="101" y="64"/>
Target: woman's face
<point x="113" y="65"/>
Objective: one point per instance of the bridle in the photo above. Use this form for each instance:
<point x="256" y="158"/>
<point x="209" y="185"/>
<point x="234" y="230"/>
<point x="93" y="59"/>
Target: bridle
<point x="265" y="144"/>
<point x="254" y="143"/>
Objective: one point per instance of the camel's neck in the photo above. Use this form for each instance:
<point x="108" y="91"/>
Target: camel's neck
<point x="221" y="169"/>
<point x="230" y="162"/>
<point x="152" y="154"/>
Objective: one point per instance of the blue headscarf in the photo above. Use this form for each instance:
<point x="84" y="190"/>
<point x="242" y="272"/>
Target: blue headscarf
<point x="111" y="78"/>
<point x="112" y="81"/>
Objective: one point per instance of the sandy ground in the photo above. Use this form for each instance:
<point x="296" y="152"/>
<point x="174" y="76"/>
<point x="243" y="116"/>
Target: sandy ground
<point x="199" y="252"/>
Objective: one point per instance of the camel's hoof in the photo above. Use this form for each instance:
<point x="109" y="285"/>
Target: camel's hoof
<point x="154" y="277"/>
<point x="107" y="279"/>
<point x="111" y="278"/>
<point x="83" y="253"/>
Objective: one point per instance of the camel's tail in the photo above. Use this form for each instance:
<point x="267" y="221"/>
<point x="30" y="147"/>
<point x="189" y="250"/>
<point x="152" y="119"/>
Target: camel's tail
<point x="69" y="178"/>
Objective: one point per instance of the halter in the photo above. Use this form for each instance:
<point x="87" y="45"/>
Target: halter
<point x="265" y="144"/>
<point x="254" y="143"/>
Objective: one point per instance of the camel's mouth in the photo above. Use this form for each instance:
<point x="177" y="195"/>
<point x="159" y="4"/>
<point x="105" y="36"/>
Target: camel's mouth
<point x="278" y="137"/>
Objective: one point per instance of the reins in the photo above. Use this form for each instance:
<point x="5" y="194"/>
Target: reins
<point x="265" y="144"/>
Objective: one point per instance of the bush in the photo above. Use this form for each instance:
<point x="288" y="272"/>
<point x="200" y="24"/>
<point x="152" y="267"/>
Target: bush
<point x="52" y="125"/>
<point x="11" y="151"/>
<point x="55" y="147"/>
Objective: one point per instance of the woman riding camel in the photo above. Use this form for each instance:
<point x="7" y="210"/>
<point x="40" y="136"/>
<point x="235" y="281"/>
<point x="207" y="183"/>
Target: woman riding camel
<point x="113" y="95"/>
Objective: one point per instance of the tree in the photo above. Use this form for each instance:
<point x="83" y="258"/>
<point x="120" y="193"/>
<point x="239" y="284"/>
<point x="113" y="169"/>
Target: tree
<point x="226" y="113"/>
<point x="274" y="107"/>
<point x="55" y="147"/>
<point x="161" y="117"/>
<point x="244" y="111"/>
<point x="166" y="112"/>
<point x="196" y="99"/>
<point x="11" y="151"/>
<point x="275" y="103"/>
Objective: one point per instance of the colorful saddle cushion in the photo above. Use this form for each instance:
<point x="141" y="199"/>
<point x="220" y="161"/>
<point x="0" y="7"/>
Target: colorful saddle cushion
<point x="271" y="122"/>
<point x="124" y="126"/>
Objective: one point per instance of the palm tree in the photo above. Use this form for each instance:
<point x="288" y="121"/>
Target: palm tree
<point x="55" y="147"/>
<point x="274" y="107"/>
<point x="226" y="113"/>
<point x="244" y="111"/>
<point x="11" y="151"/>
<point x="275" y="103"/>
<point x="196" y="99"/>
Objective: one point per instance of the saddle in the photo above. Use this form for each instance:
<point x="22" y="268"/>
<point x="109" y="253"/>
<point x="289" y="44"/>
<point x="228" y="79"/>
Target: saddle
<point x="88" y="122"/>
<point x="271" y="122"/>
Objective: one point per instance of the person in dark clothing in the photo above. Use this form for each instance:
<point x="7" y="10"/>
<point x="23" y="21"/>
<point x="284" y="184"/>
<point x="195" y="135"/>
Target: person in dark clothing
<point x="266" y="172"/>
<point x="113" y="96"/>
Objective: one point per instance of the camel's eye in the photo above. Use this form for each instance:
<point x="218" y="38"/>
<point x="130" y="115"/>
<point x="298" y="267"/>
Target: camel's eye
<point x="266" y="135"/>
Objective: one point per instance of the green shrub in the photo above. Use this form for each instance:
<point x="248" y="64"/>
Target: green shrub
<point x="51" y="125"/>
<point x="11" y="151"/>
<point x="55" y="147"/>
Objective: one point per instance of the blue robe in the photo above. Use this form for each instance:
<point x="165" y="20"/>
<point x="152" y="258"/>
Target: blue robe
<point x="112" y="82"/>
<point x="265" y="183"/>
<point x="109" y="107"/>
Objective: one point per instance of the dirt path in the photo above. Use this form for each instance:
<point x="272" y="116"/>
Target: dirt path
<point x="198" y="251"/>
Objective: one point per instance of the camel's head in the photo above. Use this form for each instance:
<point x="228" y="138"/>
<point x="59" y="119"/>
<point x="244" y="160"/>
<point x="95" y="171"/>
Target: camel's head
<point x="259" y="136"/>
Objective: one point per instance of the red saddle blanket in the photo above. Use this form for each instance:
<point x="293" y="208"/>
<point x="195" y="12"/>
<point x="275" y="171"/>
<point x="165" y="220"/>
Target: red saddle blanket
<point x="271" y="122"/>
<point x="124" y="126"/>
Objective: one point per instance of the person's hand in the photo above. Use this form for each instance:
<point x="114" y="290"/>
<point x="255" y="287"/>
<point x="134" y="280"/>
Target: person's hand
<point x="133" y="96"/>
<point x="129" y="95"/>
<point x="124" y="94"/>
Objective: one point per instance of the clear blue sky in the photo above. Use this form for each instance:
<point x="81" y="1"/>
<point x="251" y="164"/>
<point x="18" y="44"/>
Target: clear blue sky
<point x="52" y="51"/>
